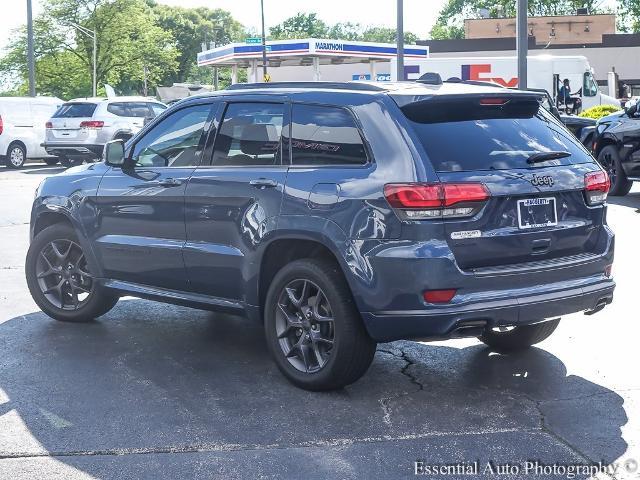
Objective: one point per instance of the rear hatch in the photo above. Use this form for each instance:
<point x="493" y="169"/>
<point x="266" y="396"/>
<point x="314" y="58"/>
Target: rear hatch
<point x="67" y="125"/>
<point x="533" y="170"/>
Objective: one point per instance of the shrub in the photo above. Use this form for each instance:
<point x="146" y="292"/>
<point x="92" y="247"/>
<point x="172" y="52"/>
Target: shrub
<point x="599" y="111"/>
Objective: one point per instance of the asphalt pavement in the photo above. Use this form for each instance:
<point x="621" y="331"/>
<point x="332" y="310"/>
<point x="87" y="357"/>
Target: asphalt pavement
<point x="154" y="391"/>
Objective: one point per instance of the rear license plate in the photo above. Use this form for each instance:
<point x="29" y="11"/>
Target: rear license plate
<point x="537" y="212"/>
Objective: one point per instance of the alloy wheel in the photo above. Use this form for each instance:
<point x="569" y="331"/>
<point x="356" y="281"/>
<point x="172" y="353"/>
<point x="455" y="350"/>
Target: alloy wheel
<point x="16" y="156"/>
<point x="305" y="325"/>
<point x="609" y="165"/>
<point x="63" y="275"/>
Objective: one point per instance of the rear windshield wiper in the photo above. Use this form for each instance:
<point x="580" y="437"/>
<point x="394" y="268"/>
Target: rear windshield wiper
<point x="544" y="156"/>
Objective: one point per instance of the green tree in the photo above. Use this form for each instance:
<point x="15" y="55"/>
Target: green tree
<point x="305" y="25"/>
<point x="454" y="12"/>
<point x="629" y="15"/>
<point x="190" y="27"/>
<point x="128" y="42"/>
<point x="301" y="25"/>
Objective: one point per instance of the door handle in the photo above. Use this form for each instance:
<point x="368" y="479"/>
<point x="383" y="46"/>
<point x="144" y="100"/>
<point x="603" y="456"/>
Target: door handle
<point x="263" y="183"/>
<point x="170" y="182"/>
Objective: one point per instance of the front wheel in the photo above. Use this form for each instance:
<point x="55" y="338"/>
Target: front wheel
<point x="313" y="329"/>
<point x="59" y="278"/>
<point x="518" y="338"/>
<point x="610" y="161"/>
<point x="16" y="155"/>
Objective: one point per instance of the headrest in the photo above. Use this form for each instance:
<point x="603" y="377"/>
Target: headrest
<point x="259" y="139"/>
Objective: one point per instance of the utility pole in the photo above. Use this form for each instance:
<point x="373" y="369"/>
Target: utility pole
<point x="145" y="72"/>
<point x="93" y="35"/>
<point x="522" y="42"/>
<point x="264" y="45"/>
<point x="30" y="57"/>
<point x="400" y="42"/>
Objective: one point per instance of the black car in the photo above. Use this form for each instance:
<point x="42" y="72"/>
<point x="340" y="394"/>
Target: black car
<point x="616" y="145"/>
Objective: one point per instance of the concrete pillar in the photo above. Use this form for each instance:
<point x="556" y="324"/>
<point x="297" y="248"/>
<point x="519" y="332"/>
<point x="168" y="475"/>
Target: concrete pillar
<point x="316" y="68"/>
<point x="254" y="70"/>
<point x="372" y="70"/>
<point x="234" y="74"/>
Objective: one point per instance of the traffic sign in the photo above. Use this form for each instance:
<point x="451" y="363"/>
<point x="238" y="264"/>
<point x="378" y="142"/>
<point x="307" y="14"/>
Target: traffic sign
<point x="253" y="40"/>
<point x="266" y="78"/>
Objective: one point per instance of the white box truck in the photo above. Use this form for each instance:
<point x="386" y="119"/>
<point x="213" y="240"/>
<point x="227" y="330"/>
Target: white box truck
<point x="543" y="71"/>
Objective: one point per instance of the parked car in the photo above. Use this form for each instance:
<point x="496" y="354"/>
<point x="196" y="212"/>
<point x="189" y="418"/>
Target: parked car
<point x="582" y="127"/>
<point x="616" y="145"/>
<point x="339" y="215"/>
<point x="80" y="128"/>
<point x="22" y="128"/>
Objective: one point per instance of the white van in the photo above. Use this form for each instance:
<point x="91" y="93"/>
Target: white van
<point x="22" y="128"/>
<point x="543" y="71"/>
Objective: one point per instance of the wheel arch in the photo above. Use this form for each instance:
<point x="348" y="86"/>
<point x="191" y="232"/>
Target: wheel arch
<point x="605" y="142"/>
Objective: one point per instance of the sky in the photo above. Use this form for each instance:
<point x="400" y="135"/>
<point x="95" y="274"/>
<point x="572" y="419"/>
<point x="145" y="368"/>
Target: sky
<point x="419" y="15"/>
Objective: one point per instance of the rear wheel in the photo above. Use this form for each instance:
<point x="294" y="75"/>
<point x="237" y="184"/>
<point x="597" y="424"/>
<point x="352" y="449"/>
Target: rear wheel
<point x="610" y="161"/>
<point x="16" y="155"/>
<point x="51" y="161"/>
<point x="60" y="280"/>
<point x="519" y="338"/>
<point x="70" y="162"/>
<point x="313" y="329"/>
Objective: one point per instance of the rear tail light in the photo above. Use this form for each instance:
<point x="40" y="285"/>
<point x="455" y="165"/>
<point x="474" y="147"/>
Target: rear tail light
<point x="439" y="296"/>
<point x="608" y="270"/>
<point x="493" y="101"/>
<point x="92" y="124"/>
<point x="423" y="201"/>
<point x="1" y="125"/>
<point x="48" y="125"/>
<point x="596" y="185"/>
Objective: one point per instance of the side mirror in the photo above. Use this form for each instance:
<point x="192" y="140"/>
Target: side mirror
<point x="631" y="109"/>
<point x="113" y="153"/>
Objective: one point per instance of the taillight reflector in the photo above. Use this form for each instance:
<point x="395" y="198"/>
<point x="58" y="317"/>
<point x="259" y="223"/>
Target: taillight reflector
<point x="432" y="200"/>
<point x="48" y="125"/>
<point x="597" y="185"/>
<point x="92" y="124"/>
<point x="1" y="125"/>
<point x="439" y="296"/>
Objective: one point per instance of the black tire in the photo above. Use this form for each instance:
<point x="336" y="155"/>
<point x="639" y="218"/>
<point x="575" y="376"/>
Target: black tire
<point x="519" y="338"/>
<point x="51" y="161"/>
<point x="352" y="350"/>
<point x="610" y="161"/>
<point x="16" y="155"/>
<point x="98" y="300"/>
<point x="70" y="162"/>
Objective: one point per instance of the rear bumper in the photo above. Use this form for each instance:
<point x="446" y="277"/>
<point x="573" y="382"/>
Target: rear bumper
<point x="513" y="309"/>
<point x="74" y="150"/>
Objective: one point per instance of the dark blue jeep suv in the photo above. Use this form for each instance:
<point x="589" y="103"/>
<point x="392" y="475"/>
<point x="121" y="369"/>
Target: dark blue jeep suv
<point x="339" y="215"/>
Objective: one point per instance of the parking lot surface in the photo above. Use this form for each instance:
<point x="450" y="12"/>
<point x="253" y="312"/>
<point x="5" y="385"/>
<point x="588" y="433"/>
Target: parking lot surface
<point x="158" y="391"/>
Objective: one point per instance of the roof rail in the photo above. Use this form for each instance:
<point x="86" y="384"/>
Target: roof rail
<point x="361" y="86"/>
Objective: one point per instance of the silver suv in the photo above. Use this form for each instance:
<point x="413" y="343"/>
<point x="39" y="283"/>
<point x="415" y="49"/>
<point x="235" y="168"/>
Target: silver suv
<point x="80" y="128"/>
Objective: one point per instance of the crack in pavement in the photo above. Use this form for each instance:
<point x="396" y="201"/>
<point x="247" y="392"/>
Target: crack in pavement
<point x="385" y="401"/>
<point x="232" y="447"/>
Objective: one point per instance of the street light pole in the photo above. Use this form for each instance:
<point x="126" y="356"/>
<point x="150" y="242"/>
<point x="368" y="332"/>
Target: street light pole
<point x="400" y="42"/>
<point x="522" y="42"/>
<point x="91" y="34"/>
<point x="30" y="56"/>
<point x="264" y="44"/>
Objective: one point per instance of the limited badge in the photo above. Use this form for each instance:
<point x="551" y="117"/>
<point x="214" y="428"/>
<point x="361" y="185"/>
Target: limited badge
<point x="466" y="234"/>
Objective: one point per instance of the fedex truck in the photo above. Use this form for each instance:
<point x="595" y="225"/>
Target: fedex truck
<point x="543" y="71"/>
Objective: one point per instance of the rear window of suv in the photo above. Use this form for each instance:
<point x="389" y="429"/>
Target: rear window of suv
<point x="75" y="110"/>
<point x="462" y="135"/>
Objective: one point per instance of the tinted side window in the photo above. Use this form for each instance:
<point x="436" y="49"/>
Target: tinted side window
<point x="175" y="141"/>
<point x="129" y="109"/>
<point x="325" y="136"/>
<point x="157" y="108"/>
<point x="249" y="135"/>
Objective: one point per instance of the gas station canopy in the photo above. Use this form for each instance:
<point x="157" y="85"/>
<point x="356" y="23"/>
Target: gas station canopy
<point x="304" y="52"/>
